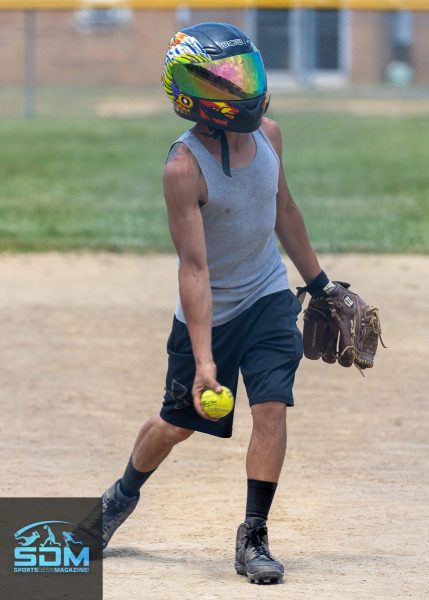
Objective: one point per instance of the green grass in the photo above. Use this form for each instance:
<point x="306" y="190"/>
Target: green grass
<point x="361" y="182"/>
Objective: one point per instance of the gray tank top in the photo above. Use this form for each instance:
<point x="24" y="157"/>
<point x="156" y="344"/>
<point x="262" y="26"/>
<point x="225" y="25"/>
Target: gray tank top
<point x="239" y="218"/>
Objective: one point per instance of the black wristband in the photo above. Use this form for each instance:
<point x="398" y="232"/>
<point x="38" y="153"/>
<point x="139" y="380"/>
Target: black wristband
<point x="316" y="285"/>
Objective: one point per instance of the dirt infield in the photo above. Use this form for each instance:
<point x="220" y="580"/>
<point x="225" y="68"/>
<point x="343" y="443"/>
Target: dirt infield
<point x="82" y="359"/>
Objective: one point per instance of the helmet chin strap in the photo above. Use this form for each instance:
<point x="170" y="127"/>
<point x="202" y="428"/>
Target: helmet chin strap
<point x="219" y="134"/>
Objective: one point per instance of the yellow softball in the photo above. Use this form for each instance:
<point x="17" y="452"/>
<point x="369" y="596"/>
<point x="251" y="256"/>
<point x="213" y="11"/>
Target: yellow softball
<point x="217" y="405"/>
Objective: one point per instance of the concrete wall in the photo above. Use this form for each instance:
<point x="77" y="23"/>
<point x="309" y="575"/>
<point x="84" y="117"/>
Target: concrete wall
<point x="371" y="52"/>
<point x="11" y="47"/>
<point x="369" y="46"/>
<point x="133" y="55"/>
<point x="420" y="51"/>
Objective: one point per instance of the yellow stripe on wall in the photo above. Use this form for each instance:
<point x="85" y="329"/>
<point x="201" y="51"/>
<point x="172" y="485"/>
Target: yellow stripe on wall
<point x="216" y="4"/>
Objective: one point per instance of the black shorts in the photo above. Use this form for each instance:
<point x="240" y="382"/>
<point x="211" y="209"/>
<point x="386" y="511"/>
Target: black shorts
<point x="263" y="342"/>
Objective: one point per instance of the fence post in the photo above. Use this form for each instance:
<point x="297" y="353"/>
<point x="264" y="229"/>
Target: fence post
<point x="30" y="65"/>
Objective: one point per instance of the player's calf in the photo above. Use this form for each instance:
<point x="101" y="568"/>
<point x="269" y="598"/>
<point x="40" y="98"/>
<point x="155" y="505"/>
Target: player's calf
<point x="154" y="443"/>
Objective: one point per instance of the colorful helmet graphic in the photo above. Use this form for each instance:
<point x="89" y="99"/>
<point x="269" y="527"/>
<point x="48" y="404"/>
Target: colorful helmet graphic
<point x="214" y="75"/>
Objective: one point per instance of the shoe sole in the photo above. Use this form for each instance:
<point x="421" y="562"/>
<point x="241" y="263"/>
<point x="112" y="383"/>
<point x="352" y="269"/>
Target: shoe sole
<point x="261" y="578"/>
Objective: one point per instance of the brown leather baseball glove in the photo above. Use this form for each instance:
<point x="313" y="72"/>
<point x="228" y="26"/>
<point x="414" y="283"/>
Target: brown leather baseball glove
<point x="340" y="326"/>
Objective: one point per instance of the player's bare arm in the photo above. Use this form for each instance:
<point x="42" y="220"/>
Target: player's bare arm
<point x="356" y="347"/>
<point x="290" y="227"/>
<point x="184" y="193"/>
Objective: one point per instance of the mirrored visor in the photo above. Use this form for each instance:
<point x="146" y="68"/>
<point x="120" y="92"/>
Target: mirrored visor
<point x="237" y="77"/>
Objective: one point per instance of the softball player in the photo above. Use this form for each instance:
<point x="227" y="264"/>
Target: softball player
<point x="226" y="196"/>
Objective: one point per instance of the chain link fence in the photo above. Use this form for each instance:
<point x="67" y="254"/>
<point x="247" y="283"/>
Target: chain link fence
<point x="107" y="61"/>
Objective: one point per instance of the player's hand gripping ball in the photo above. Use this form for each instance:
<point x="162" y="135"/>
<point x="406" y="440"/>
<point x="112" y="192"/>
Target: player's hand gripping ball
<point x="216" y="405"/>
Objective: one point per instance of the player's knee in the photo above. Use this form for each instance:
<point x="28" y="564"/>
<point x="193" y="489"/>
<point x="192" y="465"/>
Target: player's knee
<point x="173" y="433"/>
<point x="179" y="434"/>
<point x="269" y="414"/>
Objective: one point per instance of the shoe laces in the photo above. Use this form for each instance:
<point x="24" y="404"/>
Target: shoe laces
<point x="113" y="505"/>
<point x="254" y="538"/>
<point x="116" y="508"/>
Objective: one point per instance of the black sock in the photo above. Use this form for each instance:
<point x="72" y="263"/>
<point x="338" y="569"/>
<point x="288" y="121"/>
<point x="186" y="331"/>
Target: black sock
<point x="132" y="480"/>
<point x="260" y="495"/>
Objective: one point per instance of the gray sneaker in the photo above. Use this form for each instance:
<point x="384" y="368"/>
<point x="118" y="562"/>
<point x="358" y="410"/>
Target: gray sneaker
<point x="116" y="508"/>
<point x="253" y="557"/>
<point x="100" y="524"/>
